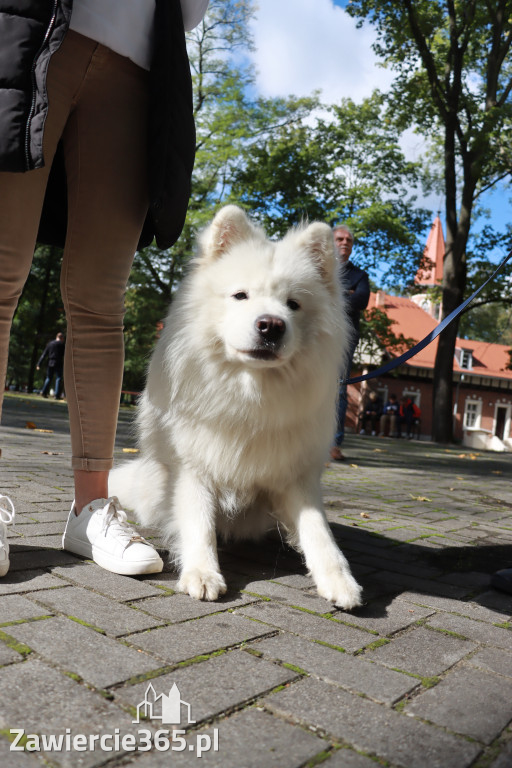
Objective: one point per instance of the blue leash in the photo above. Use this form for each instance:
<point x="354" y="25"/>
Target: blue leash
<point x="431" y="336"/>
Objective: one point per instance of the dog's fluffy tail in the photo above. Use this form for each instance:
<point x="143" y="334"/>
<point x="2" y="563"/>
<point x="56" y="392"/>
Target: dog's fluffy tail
<point x="140" y="487"/>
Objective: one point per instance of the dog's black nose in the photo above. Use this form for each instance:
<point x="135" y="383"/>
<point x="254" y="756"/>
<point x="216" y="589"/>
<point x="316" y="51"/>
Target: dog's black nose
<point x="270" y="328"/>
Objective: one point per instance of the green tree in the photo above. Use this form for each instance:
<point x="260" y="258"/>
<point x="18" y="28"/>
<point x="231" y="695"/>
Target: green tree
<point x="378" y="342"/>
<point x="453" y="81"/>
<point x="38" y="318"/>
<point x="228" y="122"/>
<point x="345" y="167"/>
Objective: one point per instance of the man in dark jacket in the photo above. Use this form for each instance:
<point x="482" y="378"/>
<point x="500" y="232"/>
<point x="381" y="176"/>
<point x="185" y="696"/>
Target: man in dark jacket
<point x="54" y="351"/>
<point x="357" y="287"/>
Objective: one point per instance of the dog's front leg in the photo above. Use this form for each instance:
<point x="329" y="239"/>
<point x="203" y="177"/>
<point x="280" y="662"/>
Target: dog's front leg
<point x="196" y="545"/>
<point x="310" y="532"/>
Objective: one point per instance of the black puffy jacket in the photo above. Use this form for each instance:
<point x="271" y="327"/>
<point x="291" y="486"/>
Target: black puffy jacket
<point x="30" y="32"/>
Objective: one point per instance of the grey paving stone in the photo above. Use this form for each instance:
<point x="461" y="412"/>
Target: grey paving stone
<point x="346" y="758"/>
<point x="422" y="652"/>
<point x="297" y="580"/>
<point x="8" y="655"/>
<point x="498" y="601"/>
<point x="371" y="727"/>
<point x="290" y="596"/>
<point x="214" y="686"/>
<point x="354" y="673"/>
<point x="23" y="559"/>
<point x="505" y="759"/>
<point x="101" y="612"/>
<point x="471" y="609"/>
<point x="385" y="616"/>
<point x="428" y="586"/>
<point x="451" y="703"/>
<point x="10" y="759"/>
<point x="110" y="584"/>
<point x="308" y="625"/>
<point x="28" y="581"/>
<point x="493" y="660"/>
<point x="251" y="739"/>
<point x="96" y="658"/>
<point x="31" y="528"/>
<point x="17" y="607"/>
<point x="199" y="636"/>
<point x="180" y="607"/>
<point x="474" y="630"/>
<point x="26" y="543"/>
<point x="472" y="579"/>
<point x="43" y="701"/>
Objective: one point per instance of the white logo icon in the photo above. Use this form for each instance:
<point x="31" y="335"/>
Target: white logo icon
<point x="168" y="706"/>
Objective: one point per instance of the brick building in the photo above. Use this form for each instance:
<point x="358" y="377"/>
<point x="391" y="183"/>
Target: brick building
<point x="482" y="392"/>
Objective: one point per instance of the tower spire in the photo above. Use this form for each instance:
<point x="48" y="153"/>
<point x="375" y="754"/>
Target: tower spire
<point x="430" y="271"/>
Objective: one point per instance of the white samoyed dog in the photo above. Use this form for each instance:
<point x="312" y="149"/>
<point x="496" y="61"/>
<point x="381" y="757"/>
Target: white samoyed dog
<point x="239" y="408"/>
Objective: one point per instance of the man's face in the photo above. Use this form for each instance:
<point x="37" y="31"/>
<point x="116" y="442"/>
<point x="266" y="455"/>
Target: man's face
<point x="344" y="243"/>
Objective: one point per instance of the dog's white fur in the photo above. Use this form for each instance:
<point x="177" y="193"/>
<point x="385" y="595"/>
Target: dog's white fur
<point x="234" y="430"/>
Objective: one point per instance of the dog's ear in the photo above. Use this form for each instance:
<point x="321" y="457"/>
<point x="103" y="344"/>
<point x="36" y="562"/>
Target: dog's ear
<point x="230" y="226"/>
<point x="318" y="241"/>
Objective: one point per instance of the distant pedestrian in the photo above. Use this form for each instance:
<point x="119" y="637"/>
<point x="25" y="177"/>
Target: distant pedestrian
<point x="389" y="416"/>
<point x="357" y="286"/>
<point x="54" y="351"/>
<point x="371" y="412"/>
<point x="409" y="415"/>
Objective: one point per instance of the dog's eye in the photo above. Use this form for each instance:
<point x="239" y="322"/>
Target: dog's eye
<point x="240" y="295"/>
<point x="293" y="305"/>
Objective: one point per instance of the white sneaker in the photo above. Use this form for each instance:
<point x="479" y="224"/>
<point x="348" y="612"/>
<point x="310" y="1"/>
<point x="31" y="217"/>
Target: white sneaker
<point x="6" y="516"/>
<point x="101" y="532"/>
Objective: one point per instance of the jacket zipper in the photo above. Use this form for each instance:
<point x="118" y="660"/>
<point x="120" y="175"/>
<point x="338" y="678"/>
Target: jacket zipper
<point x="28" y="160"/>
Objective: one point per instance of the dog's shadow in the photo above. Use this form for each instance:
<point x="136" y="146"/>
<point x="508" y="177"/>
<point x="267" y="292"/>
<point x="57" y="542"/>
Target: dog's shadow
<point x="385" y="567"/>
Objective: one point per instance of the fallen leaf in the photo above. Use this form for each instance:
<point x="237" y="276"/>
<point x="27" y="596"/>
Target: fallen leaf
<point x="364" y="514"/>
<point x="419" y="498"/>
<point x="52" y="453"/>
<point x="30" y="425"/>
<point x="43" y="430"/>
<point x="130" y="450"/>
<point x="355" y="466"/>
<point x="496" y="472"/>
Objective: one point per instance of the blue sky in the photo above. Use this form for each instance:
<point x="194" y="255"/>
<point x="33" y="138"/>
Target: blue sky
<point x="303" y="45"/>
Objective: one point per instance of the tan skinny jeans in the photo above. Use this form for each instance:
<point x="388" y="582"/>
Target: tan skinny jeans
<point x="98" y="104"/>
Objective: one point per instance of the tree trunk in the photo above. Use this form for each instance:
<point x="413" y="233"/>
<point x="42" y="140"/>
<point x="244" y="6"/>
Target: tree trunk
<point x="454" y="284"/>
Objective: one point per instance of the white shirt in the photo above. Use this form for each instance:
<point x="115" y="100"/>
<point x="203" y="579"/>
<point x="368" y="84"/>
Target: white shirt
<point x="126" y="26"/>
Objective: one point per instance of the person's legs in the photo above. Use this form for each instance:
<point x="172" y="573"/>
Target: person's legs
<point x="342" y="405"/>
<point x="105" y="155"/>
<point x="341" y="414"/>
<point x="47" y="382"/>
<point x="58" y="383"/>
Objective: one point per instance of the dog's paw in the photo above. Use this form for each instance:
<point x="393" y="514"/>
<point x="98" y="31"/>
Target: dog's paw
<point x="202" y="585"/>
<point x="341" y="589"/>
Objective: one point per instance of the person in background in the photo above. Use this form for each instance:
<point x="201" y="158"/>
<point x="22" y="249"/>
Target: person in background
<point x="371" y="412"/>
<point x="409" y="414"/>
<point x="97" y="143"/>
<point x="390" y="416"/>
<point x="357" y="286"/>
<point x="54" y="350"/>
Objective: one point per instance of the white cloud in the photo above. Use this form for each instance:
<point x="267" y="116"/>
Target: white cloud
<point x="303" y="45"/>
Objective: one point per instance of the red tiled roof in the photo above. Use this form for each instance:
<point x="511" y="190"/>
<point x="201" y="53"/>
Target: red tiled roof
<point x="413" y="322"/>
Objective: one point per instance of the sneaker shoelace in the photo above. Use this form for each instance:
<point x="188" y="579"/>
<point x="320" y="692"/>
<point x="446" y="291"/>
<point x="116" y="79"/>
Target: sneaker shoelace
<point x="116" y="519"/>
<point x="6" y="515"/>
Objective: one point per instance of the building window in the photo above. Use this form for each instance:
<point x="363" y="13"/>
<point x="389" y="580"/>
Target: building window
<point x="466" y="359"/>
<point x="472" y="413"/>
